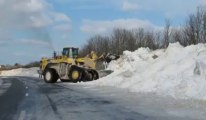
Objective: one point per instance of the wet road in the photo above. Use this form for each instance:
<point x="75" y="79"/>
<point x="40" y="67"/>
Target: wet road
<point x="26" y="98"/>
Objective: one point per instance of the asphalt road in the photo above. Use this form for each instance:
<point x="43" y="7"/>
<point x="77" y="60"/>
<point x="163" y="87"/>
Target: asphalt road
<point x="26" y="98"/>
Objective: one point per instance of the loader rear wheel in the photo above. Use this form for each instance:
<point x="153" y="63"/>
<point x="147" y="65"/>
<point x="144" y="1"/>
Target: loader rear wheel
<point x="50" y="76"/>
<point x="75" y="74"/>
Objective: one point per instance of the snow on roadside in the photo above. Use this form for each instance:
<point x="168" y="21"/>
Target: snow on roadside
<point x="177" y="71"/>
<point x="31" y="72"/>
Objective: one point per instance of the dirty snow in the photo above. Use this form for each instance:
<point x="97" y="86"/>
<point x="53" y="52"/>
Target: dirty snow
<point x="177" y="71"/>
<point x="30" y="72"/>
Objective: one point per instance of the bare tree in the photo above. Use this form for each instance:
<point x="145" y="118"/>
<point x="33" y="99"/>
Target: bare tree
<point x="166" y="33"/>
<point x="139" y="35"/>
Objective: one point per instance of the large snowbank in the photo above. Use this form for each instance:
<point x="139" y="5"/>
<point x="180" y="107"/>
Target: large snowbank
<point x="177" y="71"/>
<point x="31" y="72"/>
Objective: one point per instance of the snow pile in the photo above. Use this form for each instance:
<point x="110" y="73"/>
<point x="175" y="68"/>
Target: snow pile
<point x="177" y="71"/>
<point x="31" y="72"/>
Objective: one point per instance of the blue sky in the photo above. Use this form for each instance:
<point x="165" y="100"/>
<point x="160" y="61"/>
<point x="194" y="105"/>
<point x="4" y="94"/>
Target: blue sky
<point x="31" y="29"/>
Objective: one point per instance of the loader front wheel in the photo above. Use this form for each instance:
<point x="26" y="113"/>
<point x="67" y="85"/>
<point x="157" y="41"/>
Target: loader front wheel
<point x="50" y="76"/>
<point x="75" y="74"/>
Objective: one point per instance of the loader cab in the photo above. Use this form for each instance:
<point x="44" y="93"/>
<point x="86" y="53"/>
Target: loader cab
<point x="70" y="52"/>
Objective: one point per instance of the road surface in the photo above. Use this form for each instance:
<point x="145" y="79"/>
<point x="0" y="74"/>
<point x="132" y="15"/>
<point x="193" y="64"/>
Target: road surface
<point x="27" y="98"/>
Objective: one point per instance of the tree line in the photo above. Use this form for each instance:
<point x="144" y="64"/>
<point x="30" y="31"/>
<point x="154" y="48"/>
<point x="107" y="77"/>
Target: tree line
<point x="192" y="32"/>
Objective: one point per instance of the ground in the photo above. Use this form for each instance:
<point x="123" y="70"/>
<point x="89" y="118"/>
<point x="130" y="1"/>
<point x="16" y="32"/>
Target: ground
<point x="29" y="98"/>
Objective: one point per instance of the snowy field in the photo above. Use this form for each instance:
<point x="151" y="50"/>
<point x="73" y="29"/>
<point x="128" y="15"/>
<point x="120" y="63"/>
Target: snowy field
<point x="177" y="71"/>
<point x="31" y="72"/>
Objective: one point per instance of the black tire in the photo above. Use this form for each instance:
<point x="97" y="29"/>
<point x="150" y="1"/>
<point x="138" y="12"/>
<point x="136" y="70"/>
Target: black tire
<point x="90" y="75"/>
<point x="84" y="76"/>
<point x="50" y="76"/>
<point x="95" y="75"/>
<point x="72" y="77"/>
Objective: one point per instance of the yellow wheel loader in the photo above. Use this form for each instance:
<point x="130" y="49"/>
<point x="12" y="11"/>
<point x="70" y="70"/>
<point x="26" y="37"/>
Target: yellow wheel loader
<point x="68" y="67"/>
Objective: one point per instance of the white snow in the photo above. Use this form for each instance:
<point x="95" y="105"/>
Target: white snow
<point x="31" y="72"/>
<point x="178" y="71"/>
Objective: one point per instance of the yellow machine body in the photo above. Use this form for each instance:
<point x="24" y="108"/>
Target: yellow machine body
<point x="68" y="67"/>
